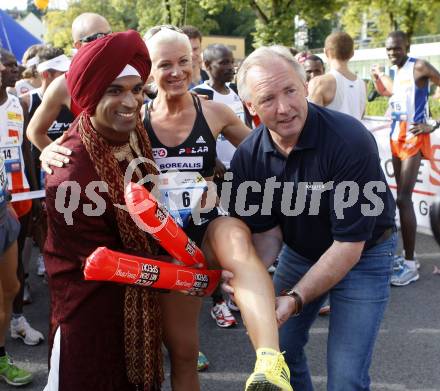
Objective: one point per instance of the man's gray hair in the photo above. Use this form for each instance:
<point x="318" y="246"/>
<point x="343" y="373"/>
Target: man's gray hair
<point x="264" y="57"/>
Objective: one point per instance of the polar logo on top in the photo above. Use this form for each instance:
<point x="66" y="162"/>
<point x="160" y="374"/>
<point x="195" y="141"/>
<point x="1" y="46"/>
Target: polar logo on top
<point x="193" y="150"/>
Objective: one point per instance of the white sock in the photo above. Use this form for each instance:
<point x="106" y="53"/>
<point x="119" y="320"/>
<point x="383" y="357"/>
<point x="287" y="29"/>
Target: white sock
<point x="411" y="263"/>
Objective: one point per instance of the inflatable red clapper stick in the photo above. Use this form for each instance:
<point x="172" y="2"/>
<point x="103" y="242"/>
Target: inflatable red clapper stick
<point x="104" y="264"/>
<point x="107" y="265"/>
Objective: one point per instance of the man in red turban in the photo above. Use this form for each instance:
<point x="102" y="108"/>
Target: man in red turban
<point x="104" y="336"/>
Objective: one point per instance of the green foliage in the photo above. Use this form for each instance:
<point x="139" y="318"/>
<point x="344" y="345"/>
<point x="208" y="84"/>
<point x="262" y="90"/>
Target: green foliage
<point x="275" y="18"/>
<point x="385" y="16"/>
<point x="318" y="34"/>
<point x="434" y="108"/>
<point x="377" y="107"/>
<point x="59" y="23"/>
<point x="176" y="12"/>
<point x="267" y="21"/>
<point x="233" y="23"/>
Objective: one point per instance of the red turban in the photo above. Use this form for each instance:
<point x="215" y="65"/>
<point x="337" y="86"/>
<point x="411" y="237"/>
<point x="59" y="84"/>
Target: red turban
<point x="98" y="63"/>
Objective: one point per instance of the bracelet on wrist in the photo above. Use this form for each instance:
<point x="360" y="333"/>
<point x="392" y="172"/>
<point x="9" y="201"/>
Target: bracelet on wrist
<point x="299" y="302"/>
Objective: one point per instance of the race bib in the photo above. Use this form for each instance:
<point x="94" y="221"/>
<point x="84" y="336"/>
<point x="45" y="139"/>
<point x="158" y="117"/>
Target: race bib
<point x="11" y="154"/>
<point x="181" y="193"/>
<point x="398" y="109"/>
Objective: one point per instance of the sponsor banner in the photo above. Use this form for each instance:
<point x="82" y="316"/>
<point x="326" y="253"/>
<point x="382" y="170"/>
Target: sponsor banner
<point x="427" y="186"/>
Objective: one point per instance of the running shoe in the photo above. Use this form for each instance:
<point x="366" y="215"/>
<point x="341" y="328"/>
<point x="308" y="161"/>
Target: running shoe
<point x="271" y="372"/>
<point x="398" y="262"/>
<point x="400" y="259"/>
<point x="404" y="276"/>
<point x="13" y="375"/>
<point x="232" y="305"/>
<point x="20" y="328"/>
<point x="222" y="315"/>
<point x="202" y="362"/>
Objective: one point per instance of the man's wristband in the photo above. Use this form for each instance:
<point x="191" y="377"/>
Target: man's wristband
<point x="297" y="297"/>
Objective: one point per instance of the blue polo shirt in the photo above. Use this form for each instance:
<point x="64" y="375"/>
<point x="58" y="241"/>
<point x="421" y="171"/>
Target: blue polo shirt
<point x="330" y="187"/>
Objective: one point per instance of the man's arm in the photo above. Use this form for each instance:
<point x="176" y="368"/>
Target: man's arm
<point x="54" y="98"/>
<point x="268" y="244"/>
<point x="382" y="83"/>
<point x="322" y="90"/>
<point x="222" y="119"/>
<point x="424" y="70"/>
<point x="331" y="268"/>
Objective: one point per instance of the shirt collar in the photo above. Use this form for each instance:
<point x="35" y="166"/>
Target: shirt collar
<point x="308" y="138"/>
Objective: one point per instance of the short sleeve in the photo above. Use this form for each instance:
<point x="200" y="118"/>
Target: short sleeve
<point x="247" y="195"/>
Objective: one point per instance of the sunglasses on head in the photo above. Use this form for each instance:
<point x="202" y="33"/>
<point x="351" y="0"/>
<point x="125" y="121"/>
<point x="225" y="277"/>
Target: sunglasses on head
<point x="154" y="30"/>
<point x="94" y="37"/>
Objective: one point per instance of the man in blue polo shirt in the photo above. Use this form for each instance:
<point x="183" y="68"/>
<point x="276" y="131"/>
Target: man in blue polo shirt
<point x="308" y="181"/>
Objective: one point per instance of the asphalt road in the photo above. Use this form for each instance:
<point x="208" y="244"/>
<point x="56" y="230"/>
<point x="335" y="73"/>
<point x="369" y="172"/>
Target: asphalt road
<point x="407" y="355"/>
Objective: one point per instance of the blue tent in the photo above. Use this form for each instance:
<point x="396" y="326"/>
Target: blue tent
<point x="14" y="37"/>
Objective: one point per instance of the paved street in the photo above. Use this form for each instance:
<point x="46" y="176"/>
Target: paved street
<point x="407" y="356"/>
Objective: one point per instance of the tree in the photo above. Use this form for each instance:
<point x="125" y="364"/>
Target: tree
<point x="275" y="18"/>
<point x="120" y="14"/>
<point x="233" y="23"/>
<point x="139" y="15"/>
<point x="385" y="16"/>
<point x="175" y="12"/>
<point x="316" y="35"/>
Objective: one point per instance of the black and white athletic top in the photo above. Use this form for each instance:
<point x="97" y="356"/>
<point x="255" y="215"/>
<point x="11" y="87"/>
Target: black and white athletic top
<point x="62" y="122"/>
<point x="196" y="154"/>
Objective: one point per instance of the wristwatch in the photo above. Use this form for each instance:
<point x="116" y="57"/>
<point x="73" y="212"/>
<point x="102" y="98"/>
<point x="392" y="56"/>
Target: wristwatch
<point x="434" y="123"/>
<point x="297" y="297"/>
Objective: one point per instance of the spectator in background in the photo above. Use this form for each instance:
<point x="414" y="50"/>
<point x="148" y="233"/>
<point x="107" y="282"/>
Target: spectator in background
<point x="52" y="63"/>
<point x="30" y="77"/>
<point x="340" y="89"/>
<point x="195" y="37"/>
<point x="18" y="160"/>
<point x="301" y="56"/>
<point x="9" y="285"/>
<point x="314" y="66"/>
<point x="409" y="138"/>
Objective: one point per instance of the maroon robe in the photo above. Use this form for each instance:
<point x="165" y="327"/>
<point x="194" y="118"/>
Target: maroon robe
<point x="90" y="314"/>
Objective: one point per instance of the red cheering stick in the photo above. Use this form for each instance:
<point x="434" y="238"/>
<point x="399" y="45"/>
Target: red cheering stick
<point x="153" y="218"/>
<point x="107" y="265"/>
